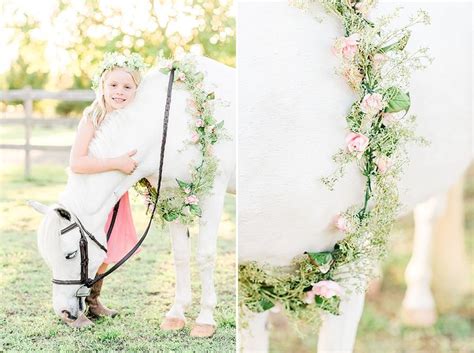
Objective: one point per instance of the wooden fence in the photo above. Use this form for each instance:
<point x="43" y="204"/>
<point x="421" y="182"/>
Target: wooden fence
<point x="28" y="95"/>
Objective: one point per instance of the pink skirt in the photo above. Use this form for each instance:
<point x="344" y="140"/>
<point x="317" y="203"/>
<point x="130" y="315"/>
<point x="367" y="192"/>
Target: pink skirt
<point x="124" y="235"/>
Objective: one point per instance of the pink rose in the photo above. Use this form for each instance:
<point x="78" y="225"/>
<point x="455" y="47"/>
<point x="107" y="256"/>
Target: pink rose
<point x="346" y="46"/>
<point x="195" y="137"/>
<point x="191" y="105"/>
<point x="327" y="289"/>
<point x="276" y="309"/>
<point x="372" y="103"/>
<point x="392" y="118"/>
<point x="341" y="223"/>
<point x="309" y="298"/>
<point x="382" y="163"/>
<point x="199" y="123"/>
<point x="181" y="77"/>
<point x="192" y="200"/>
<point x="357" y="142"/>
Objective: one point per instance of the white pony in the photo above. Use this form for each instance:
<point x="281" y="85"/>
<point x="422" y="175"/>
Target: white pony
<point x="291" y="122"/>
<point x="91" y="197"/>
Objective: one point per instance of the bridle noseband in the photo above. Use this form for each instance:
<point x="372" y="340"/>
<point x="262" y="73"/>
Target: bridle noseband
<point x="85" y="282"/>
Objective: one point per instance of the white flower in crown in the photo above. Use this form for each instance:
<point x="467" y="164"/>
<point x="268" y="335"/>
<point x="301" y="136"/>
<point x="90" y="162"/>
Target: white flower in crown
<point x="112" y="60"/>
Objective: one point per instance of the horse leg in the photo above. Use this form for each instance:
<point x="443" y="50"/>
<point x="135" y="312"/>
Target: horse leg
<point x="206" y="255"/>
<point x="451" y="280"/>
<point x="253" y="332"/>
<point x="418" y="307"/>
<point x="175" y="319"/>
<point x="338" y="332"/>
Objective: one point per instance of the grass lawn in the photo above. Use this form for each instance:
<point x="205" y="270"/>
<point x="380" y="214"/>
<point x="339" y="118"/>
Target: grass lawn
<point x="142" y="290"/>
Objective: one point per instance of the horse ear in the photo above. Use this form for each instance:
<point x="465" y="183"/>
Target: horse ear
<point x="63" y="213"/>
<point x="38" y="206"/>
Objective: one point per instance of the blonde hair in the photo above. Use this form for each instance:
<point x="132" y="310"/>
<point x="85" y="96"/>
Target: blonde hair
<point x="97" y="110"/>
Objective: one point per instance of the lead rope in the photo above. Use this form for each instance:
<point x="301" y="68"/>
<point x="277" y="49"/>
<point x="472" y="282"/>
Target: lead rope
<point x="112" y="222"/>
<point x="158" y="187"/>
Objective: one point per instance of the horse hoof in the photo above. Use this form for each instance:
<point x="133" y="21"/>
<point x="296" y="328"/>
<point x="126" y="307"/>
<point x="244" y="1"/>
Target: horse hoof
<point x="172" y="324"/>
<point x="203" y="330"/>
<point x="418" y="317"/>
<point x="81" y="322"/>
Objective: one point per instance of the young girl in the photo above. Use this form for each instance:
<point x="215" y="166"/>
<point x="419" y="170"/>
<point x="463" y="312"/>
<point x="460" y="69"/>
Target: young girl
<point x="115" y="84"/>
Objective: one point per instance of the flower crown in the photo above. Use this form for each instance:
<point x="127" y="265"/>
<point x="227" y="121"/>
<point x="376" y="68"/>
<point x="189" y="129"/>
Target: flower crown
<point x="111" y="60"/>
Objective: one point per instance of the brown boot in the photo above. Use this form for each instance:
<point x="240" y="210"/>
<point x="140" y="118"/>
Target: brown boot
<point x="95" y="306"/>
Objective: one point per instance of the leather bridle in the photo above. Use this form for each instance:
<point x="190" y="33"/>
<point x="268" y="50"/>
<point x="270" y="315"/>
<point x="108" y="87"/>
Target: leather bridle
<point x="85" y="282"/>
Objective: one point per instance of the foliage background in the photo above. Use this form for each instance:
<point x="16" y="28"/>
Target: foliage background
<point x="57" y="44"/>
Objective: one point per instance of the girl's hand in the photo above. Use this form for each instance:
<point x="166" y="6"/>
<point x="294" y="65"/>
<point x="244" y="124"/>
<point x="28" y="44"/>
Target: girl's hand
<point x="126" y="164"/>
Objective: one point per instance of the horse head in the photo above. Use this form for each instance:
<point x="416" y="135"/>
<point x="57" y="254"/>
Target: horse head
<point x="59" y="240"/>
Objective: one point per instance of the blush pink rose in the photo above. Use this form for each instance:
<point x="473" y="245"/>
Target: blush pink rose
<point x="341" y="223"/>
<point x="327" y="289"/>
<point x="181" y="77"/>
<point x="191" y="107"/>
<point x="372" y="103"/>
<point x="309" y="298"/>
<point x="199" y="123"/>
<point x="192" y="200"/>
<point x="392" y="118"/>
<point x="382" y="163"/>
<point x="357" y="142"/>
<point x="346" y="46"/>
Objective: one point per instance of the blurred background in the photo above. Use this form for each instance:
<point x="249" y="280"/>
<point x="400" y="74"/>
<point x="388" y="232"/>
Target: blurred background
<point x="49" y="52"/>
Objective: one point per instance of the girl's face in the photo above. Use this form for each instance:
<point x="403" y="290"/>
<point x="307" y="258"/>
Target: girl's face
<point x="119" y="89"/>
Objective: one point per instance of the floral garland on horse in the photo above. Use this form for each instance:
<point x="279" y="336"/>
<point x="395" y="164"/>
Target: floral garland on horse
<point x="376" y="66"/>
<point x="181" y="203"/>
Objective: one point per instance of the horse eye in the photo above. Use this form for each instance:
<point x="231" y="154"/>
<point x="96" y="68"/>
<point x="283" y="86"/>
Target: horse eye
<point x="71" y="255"/>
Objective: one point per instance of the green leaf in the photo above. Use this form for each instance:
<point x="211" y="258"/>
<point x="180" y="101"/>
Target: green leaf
<point x="171" y="216"/>
<point x="195" y="210"/>
<point x="323" y="260"/>
<point x="398" y="100"/>
<point x="211" y="96"/>
<point x="266" y="304"/>
<point x="220" y="125"/>
<point x="213" y="138"/>
<point x="183" y="185"/>
<point x="398" y="45"/>
<point x="330" y="305"/>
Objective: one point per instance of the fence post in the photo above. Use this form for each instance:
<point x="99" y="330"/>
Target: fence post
<point x="28" y="106"/>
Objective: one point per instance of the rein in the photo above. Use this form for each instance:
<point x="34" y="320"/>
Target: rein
<point x="85" y="281"/>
